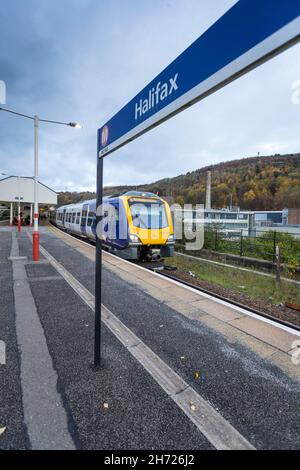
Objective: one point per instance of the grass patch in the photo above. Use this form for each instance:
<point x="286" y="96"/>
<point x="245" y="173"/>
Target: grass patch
<point x="253" y="285"/>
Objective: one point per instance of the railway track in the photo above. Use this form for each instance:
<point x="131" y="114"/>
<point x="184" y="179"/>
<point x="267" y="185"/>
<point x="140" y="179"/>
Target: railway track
<point x="231" y="302"/>
<point x="160" y="268"/>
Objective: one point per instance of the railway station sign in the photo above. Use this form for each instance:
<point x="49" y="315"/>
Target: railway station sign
<point x="250" y="33"/>
<point x="2" y="92"/>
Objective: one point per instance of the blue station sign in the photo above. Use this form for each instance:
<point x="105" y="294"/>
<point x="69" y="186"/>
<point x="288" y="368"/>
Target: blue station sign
<point x="250" y="33"/>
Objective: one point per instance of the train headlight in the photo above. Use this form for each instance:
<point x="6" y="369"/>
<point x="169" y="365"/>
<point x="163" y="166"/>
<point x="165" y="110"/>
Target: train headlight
<point x="134" y="238"/>
<point x="170" y="238"/>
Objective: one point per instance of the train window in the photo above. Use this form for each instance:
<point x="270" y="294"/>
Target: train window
<point x="148" y="215"/>
<point x="90" y="218"/>
<point x="73" y="217"/>
<point x="84" y="216"/>
<point x="78" y="218"/>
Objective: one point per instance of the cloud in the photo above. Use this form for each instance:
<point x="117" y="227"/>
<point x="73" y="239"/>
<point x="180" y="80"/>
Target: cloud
<point x="82" y="61"/>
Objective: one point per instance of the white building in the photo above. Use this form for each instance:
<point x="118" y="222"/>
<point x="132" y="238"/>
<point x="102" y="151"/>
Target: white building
<point x="227" y="221"/>
<point x="247" y="223"/>
<point x="19" y="190"/>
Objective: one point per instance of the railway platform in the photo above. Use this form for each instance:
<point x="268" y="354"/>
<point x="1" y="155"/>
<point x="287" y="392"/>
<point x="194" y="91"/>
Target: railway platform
<point x="180" y="369"/>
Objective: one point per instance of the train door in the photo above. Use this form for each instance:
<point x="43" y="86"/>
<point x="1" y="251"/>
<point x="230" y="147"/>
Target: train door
<point x="64" y="217"/>
<point x="113" y="221"/>
<point x="89" y="223"/>
<point x="85" y="209"/>
<point x="115" y="234"/>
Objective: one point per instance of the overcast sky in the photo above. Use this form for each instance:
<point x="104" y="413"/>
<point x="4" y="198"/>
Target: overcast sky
<point x="82" y="60"/>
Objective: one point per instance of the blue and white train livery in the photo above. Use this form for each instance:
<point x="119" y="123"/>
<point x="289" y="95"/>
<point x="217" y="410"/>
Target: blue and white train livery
<point x="135" y="225"/>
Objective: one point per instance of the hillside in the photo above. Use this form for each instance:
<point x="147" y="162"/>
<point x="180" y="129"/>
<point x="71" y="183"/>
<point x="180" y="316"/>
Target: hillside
<point x="256" y="183"/>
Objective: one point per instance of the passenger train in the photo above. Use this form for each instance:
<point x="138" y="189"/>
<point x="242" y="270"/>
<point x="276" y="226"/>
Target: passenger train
<point x="136" y="225"/>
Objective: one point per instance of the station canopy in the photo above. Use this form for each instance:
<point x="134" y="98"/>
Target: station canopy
<point x="13" y="187"/>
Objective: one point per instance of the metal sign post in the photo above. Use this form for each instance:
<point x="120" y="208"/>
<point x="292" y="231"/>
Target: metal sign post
<point x="98" y="273"/>
<point x="249" y="34"/>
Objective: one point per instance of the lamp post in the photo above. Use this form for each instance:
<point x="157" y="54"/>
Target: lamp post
<point x="35" y="234"/>
<point x="37" y="120"/>
<point x="19" y="206"/>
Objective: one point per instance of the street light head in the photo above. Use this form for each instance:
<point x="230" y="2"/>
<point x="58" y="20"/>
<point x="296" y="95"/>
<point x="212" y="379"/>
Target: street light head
<point x="76" y="125"/>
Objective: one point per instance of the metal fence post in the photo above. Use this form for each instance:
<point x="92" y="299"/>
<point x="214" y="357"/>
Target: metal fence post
<point x="241" y="244"/>
<point x="274" y="246"/>
<point x="278" y="261"/>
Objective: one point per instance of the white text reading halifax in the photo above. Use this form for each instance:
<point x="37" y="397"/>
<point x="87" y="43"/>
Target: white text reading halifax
<point x="156" y="94"/>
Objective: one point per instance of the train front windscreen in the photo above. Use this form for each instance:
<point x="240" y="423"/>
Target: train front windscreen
<point x="148" y="214"/>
